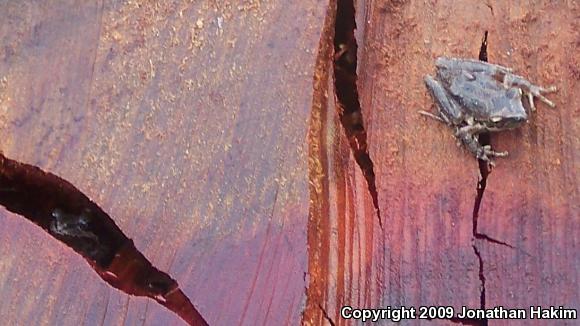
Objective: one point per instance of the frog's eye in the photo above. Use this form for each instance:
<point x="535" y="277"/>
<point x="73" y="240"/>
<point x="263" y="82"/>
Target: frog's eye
<point x="56" y="213"/>
<point x="496" y="119"/>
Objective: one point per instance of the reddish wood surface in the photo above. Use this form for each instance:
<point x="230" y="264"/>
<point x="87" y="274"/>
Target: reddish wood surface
<point x="209" y="132"/>
<point x="427" y="253"/>
<point x="531" y="200"/>
<point x="186" y="122"/>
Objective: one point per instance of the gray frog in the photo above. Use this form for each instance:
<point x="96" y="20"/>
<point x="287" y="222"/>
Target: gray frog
<point x="72" y="225"/>
<point x="475" y="96"/>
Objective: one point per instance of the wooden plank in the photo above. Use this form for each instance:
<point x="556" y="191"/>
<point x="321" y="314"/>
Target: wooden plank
<point x="186" y="123"/>
<point x="435" y="251"/>
<point x="189" y="127"/>
<point x="422" y="255"/>
<point x="531" y="201"/>
<point x="520" y="248"/>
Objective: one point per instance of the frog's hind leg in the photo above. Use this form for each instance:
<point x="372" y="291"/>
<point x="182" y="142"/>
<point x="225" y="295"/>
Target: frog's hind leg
<point x="529" y="89"/>
<point x="449" y="110"/>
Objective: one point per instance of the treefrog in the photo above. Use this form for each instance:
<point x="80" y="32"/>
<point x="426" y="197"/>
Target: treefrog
<point x="72" y="225"/>
<point x="475" y="96"/>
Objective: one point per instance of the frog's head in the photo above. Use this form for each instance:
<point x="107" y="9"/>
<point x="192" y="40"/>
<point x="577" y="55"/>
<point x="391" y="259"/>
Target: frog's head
<point x="57" y="213"/>
<point x="81" y="220"/>
<point x="511" y="112"/>
<point x="446" y="72"/>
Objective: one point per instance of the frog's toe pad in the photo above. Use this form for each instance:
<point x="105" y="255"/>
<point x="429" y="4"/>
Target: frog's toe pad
<point x="538" y="92"/>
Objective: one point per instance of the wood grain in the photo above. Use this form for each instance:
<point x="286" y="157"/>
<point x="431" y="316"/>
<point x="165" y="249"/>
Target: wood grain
<point x="432" y="251"/>
<point x="209" y="131"/>
<point x="186" y="122"/>
<point x="531" y="197"/>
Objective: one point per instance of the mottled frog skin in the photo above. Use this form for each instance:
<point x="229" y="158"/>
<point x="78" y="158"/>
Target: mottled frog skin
<point x="475" y="96"/>
<point x="72" y="225"/>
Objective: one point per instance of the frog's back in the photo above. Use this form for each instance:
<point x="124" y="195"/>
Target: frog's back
<point x="479" y="94"/>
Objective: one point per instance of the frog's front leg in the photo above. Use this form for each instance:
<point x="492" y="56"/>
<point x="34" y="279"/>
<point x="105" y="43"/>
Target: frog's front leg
<point x="449" y="111"/>
<point x="468" y="137"/>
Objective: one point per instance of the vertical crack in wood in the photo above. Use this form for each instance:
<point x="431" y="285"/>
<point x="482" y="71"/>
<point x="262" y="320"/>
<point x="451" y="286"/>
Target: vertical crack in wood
<point x="70" y="217"/>
<point x="481" y="280"/>
<point x="345" y="83"/>
<point x="481" y="184"/>
<point x="484" y="169"/>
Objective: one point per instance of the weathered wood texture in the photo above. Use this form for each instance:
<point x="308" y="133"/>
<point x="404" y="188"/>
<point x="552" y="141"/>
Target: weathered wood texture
<point x="198" y="128"/>
<point x="186" y="122"/>
<point x="531" y="200"/>
<point x="428" y="252"/>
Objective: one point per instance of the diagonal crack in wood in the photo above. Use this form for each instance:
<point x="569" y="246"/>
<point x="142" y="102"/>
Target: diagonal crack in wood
<point x="326" y="316"/>
<point x="70" y="217"/>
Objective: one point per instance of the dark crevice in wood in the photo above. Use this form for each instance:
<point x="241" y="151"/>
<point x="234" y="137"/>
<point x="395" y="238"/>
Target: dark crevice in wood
<point x="483" y="48"/>
<point x="490" y="8"/>
<point x="345" y="83"/>
<point x="481" y="185"/>
<point x="69" y="216"/>
<point x="326" y="316"/>
<point x="484" y="170"/>
<point x="485" y="237"/>
<point x="481" y="280"/>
